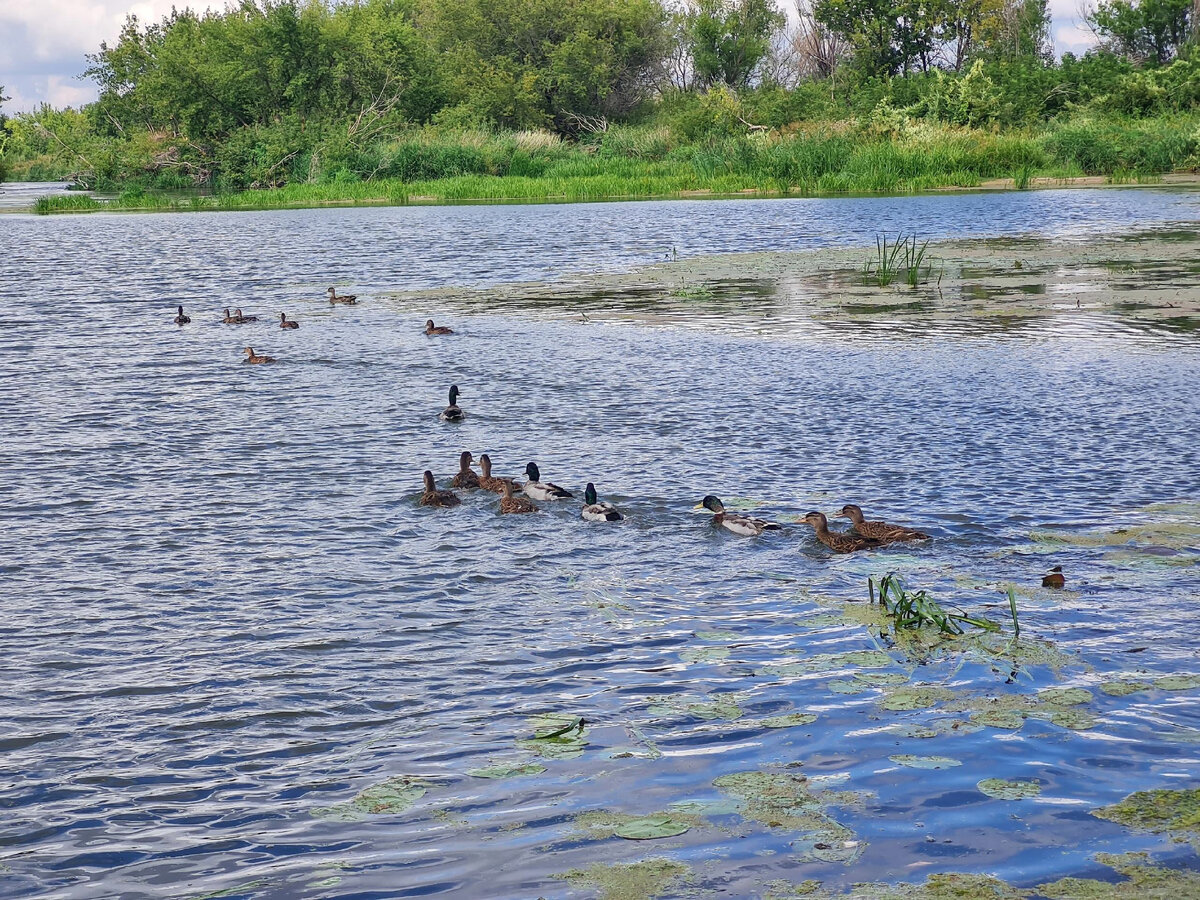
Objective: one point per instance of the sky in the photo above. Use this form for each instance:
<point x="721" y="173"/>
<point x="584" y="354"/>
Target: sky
<point x="43" y="42"/>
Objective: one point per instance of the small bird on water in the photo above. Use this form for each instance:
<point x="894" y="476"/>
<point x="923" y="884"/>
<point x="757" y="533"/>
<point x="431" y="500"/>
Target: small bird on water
<point x="1054" y="578"/>
<point x="430" y="328"/>
<point x="252" y="357"/>
<point x="181" y="319"/>
<point x="746" y="526"/>
<point x="335" y="297"/>
<point x="434" y="497"/>
<point x="881" y="531"/>
<point x="838" y="542"/>
<point x="453" y="413"/>
<point x="284" y="322"/>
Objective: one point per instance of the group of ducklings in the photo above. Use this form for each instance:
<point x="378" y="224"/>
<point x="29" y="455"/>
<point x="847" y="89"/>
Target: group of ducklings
<point x="533" y="489"/>
<point x="237" y="317"/>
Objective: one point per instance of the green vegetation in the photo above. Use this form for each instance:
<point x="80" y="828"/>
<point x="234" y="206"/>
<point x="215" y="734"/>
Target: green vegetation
<point x="915" y="609"/>
<point x="275" y="103"/>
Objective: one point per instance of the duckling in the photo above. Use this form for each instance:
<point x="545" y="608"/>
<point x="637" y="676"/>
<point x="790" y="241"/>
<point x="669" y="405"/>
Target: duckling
<point x="539" y="490"/>
<point x="880" y="531"/>
<point x="229" y="319"/>
<point x="181" y="319"/>
<point x="511" y="504"/>
<point x="487" y="482"/>
<point x="838" y="542"/>
<point x="594" y="511"/>
<point x="284" y="323"/>
<point x="465" y="477"/>
<point x="252" y="357"/>
<point x="434" y="497"/>
<point x="242" y="320"/>
<point x="738" y="524"/>
<point x="335" y="297"/>
<point x="452" y="413"/>
<point x="1054" y="578"/>
<point x="430" y="328"/>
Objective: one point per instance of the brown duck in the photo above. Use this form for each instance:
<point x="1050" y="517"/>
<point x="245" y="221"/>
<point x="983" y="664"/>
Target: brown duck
<point x="511" y="504"/>
<point x="252" y="357"/>
<point x="434" y="497"/>
<point x="1054" y="578"/>
<point x="181" y="319"/>
<point x="838" y="541"/>
<point x="487" y="482"/>
<point x="880" y="531"/>
<point x="465" y="477"/>
<point x="229" y="319"/>
<point x="430" y="328"/>
<point x="285" y="323"/>
<point x="348" y="299"/>
<point x="241" y="319"/>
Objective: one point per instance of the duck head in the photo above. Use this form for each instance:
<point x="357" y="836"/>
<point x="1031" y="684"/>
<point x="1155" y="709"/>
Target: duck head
<point x="464" y="461"/>
<point x="851" y="512"/>
<point x="181" y="310"/>
<point x="332" y="292"/>
<point x="485" y="465"/>
<point x="508" y="487"/>
<point x="532" y="471"/>
<point x="283" y="317"/>
<point x="428" y="477"/>
<point x="454" y="395"/>
<point x="713" y="504"/>
<point x="589" y="494"/>
<point x="817" y="520"/>
<point x="249" y="351"/>
<point x="429" y="324"/>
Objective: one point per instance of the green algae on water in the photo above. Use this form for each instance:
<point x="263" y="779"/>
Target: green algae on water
<point x="1009" y="790"/>
<point x="500" y="770"/>
<point x="396" y="795"/>
<point x="704" y="654"/>
<point x="785" y="800"/>
<point x="720" y="706"/>
<point x="628" y="881"/>
<point x="925" y="762"/>
<point x="600" y="824"/>
<point x="1143" y="882"/>
<point x="1156" y="811"/>
<point x="940" y="886"/>
<point x="1064" y="696"/>
<point x="1124" y="688"/>
<point x="788" y="721"/>
<point x="1177" y="682"/>
<point x="651" y="827"/>
<point x="915" y="696"/>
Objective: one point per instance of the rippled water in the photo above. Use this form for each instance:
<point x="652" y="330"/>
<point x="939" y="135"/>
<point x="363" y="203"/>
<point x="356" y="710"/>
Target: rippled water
<point x="224" y="615"/>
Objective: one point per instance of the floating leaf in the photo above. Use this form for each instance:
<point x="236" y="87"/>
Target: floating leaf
<point x="789" y="720"/>
<point x="392" y="796"/>
<point x="1064" y="696"/>
<point x="1009" y="790"/>
<point x="652" y="827"/>
<point x="704" y="654"/>
<point x="716" y="635"/>
<point x="842" y="686"/>
<point x="1124" y="688"/>
<point x="1177" y="682"/>
<point x="500" y="770"/>
<point x="925" y="762"/>
<point x="915" y="697"/>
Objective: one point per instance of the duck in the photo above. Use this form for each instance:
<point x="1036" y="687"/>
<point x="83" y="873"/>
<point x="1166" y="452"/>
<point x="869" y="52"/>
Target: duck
<point x="430" y="328"/>
<point x="1054" y="578"/>
<point x="229" y="319"/>
<point x="487" y="482"/>
<point x="837" y="541"/>
<point x="738" y="524"/>
<point x="335" y="297"/>
<point x="880" y="531"/>
<point x="181" y="319"/>
<point x="465" y="477"/>
<point x="242" y="320"/>
<point x="539" y="490"/>
<point x="252" y="357"/>
<point x="511" y="504"/>
<point x="434" y="497"/>
<point x="284" y="323"/>
<point x="452" y="413"/>
<point x="595" y="511"/>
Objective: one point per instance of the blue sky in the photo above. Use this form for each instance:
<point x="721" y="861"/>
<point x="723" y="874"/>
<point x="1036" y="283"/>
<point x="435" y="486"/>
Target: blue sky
<point x="43" y="42"/>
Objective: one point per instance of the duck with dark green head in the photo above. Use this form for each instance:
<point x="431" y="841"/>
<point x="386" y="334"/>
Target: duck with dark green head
<point x="596" y="511"/>
<point x="452" y="413"/>
<point x="543" y="490"/>
<point x="746" y="526"/>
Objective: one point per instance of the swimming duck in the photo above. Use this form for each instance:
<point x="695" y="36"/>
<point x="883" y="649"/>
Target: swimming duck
<point x="539" y="490"/>
<point x="434" y="497"/>
<point x="594" y="511"/>
<point x="465" y="477"/>
<point x="181" y="319"/>
<point x="284" y="323"/>
<point x="252" y="357"/>
<point x="1054" y="578"/>
<point x="242" y="320"/>
<point x="511" y="504"/>
<point x="452" y="413"/>
<point x="880" y="531"/>
<point x="430" y="328"/>
<point x="738" y="524"/>
<point x="229" y="318"/>
<point x="335" y="297"/>
<point x="837" y="541"/>
<point x="487" y="482"/>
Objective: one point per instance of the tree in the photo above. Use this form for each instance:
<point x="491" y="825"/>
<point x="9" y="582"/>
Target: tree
<point x="1144" y="30"/>
<point x="729" y="39"/>
<point x="1013" y="30"/>
<point x="889" y="37"/>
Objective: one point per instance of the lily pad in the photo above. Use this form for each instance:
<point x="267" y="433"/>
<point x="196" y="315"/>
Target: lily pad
<point x="1124" y="688"/>
<point x="652" y="827"/>
<point x="717" y="634"/>
<point x="1009" y="790"/>
<point x="386" y="798"/>
<point x="845" y="686"/>
<point x="915" y="696"/>
<point x="502" y="771"/>
<point x="704" y="654"/>
<point x="1064" y="696"/>
<point x="1177" y="682"/>
<point x="788" y="721"/>
<point x="925" y="762"/>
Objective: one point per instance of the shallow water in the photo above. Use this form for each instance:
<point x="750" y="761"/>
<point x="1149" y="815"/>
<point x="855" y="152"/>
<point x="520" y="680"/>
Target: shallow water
<point x="224" y="615"/>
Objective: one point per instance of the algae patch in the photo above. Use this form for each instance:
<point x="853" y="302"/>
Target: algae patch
<point x="1156" y="811"/>
<point x="396" y="795"/>
<point x="915" y="697"/>
<point x="1009" y="790"/>
<point x="628" y="881"/>
<point x="605" y="823"/>
<point x="941" y="886"/>
<point x="787" y="800"/>
<point x="1143" y="882"/>
<point x="925" y="762"/>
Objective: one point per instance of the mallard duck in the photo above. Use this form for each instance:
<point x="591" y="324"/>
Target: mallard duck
<point x="837" y="541"/>
<point x="738" y="524"/>
<point x="511" y="504"/>
<point x="465" y="477"/>
<point x="430" y="328"/>
<point x="539" y="490"/>
<point x="1054" y="578"/>
<point x="252" y="357"/>
<point x="452" y="413"/>
<point x="241" y="319"/>
<point x="487" y="482"/>
<point x="229" y="319"/>
<point x="284" y="323"/>
<point x="595" y="511"/>
<point x="434" y="497"/>
<point x="335" y="297"/>
<point x="880" y="531"/>
<point x="181" y="319"/>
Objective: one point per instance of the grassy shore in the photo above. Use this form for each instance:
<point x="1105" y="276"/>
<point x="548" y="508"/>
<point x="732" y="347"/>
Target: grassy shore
<point x="825" y="159"/>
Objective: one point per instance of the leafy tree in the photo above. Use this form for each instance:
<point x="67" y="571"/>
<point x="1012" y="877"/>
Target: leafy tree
<point x="1013" y="30"/>
<point x="1144" y="30"/>
<point x="728" y="39"/>
<point x="892" y="37"/>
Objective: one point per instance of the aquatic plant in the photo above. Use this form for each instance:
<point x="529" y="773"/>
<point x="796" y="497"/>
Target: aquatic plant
<point x="693" y="291"/>
<point x="905" y="257"/>
<point x="916" y="609"/>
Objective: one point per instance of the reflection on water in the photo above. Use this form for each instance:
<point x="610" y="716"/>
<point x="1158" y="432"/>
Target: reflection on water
<point x="237" y="656"/>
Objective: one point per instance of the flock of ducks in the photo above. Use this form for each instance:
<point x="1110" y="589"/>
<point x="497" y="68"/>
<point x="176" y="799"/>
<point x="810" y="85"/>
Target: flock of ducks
<point x="864" y="534"/>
